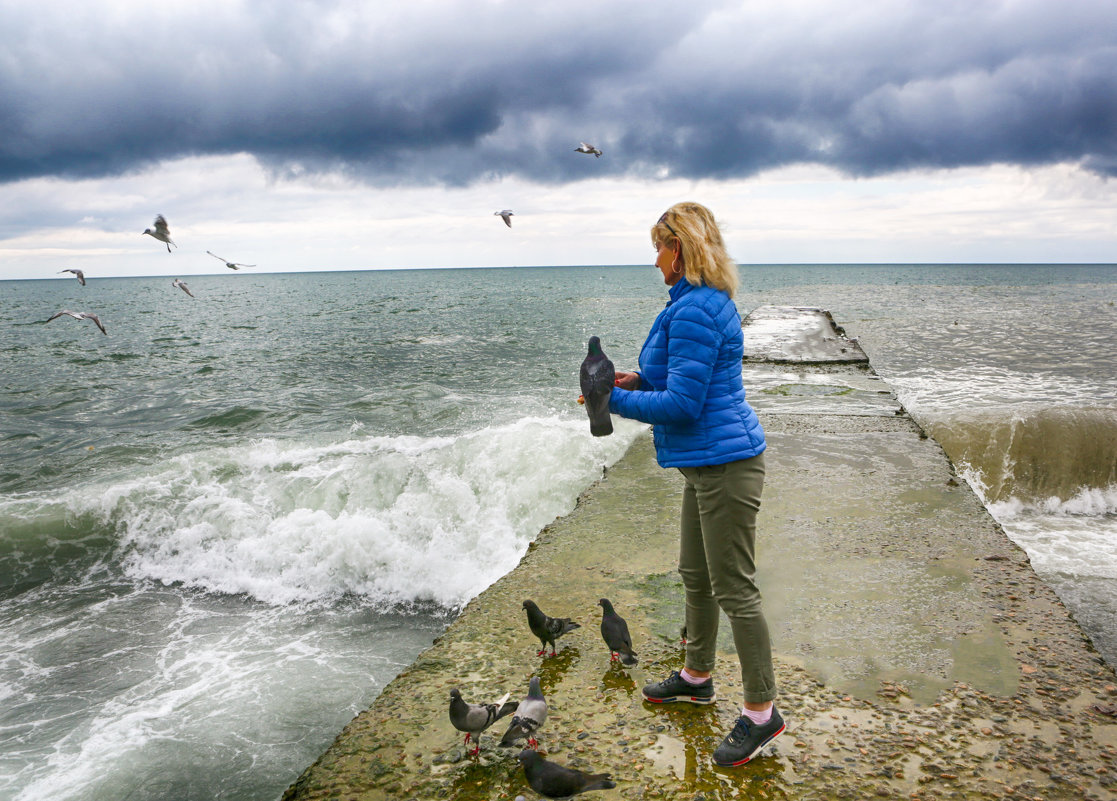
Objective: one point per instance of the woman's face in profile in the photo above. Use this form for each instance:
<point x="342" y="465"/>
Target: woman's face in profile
<point x="665" y="258"/>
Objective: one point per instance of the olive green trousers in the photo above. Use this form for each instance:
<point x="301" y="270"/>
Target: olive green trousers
<point x="717" y="562"/>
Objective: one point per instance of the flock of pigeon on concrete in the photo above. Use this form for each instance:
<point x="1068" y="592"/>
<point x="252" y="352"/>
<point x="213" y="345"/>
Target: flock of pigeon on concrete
<point x="547" y="778"/>
<point x="162" y="232"/>
<point x="597" y="378"/>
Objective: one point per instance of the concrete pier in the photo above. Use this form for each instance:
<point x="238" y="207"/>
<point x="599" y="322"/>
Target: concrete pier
<point x="918" y="654"/>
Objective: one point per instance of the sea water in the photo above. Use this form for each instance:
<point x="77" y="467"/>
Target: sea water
<point x="227" y="524"/>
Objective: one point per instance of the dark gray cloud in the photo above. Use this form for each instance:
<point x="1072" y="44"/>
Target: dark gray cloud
<point x="459" y="91"/>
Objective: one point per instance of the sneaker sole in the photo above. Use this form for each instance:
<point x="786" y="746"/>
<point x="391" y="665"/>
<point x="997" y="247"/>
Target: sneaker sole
<point x="758" y="749"/>
<point x="686" y="699"/>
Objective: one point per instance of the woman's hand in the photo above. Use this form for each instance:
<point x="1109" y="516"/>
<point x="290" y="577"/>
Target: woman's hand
<point x="627" y="380"/>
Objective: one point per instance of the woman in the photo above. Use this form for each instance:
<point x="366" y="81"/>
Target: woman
<point x="689" y="388"/>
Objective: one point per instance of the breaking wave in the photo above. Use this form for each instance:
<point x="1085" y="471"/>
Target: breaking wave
<point x="1051" y="459"/>
<point x="398" y="520"/>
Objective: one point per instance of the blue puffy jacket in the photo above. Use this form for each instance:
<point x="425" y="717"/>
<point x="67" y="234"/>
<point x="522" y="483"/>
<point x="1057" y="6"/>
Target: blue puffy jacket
<point x="690" y="382"/>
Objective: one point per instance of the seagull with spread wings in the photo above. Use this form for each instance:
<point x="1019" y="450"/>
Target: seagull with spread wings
<point x="230" y="264"/>
<point x="162" y="232"/>
<point x="182" y="285"/>
<point x="80" y="316"/>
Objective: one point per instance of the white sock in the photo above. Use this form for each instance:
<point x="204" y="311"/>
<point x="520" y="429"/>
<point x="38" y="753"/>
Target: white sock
<point x="759" y="718"/>
<point x="689" y="679"/>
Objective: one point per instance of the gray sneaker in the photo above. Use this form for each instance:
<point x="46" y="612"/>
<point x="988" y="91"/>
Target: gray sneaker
<point x="676" y="688"/>
<point x="747" y="739"/>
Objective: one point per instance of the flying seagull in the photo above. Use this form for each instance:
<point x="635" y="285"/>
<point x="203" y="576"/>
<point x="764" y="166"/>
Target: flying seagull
<point x="584" y="148"/>
<point x="475" y="718"/>
<point x="78" y="274"/>
<point x="80" y="316"/>
<point x="546" y="628"/>
<point x="506" y="215"/>
<point x="231" y="265"/>
<point x="530" y="715"/>
<point x="597" y="377"/>
<point x="614" y="630"/>
<point x="182" y="285"/>
<point x="558" y="781"/>
<point x="162" y="232"/>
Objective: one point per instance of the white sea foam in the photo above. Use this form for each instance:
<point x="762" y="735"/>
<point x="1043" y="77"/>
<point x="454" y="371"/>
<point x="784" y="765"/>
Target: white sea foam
<point x="1088" y="502"/>
<point x="217" y="681"/>
<point x="1065" y="545"/>
<point x="394" y="519"/>
<point x="1075" y="537"/>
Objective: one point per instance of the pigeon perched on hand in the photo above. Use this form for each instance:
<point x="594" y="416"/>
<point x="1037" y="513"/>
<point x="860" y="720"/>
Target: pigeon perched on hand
<point x="475" y="718"/>
<point x="547" y="629"/>
<point x="558" y="781"/>
<point x="529" y="716"/>
<point x="597" y="379"/>
<point x="615" y="633"/>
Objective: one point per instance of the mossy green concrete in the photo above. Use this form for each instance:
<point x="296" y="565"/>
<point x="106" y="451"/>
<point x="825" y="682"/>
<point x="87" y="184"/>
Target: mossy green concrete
<point x="918" y="654"/>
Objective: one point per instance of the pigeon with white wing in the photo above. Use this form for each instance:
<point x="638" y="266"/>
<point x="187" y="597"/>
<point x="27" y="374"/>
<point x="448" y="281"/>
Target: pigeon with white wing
<point x="475" y="718"/>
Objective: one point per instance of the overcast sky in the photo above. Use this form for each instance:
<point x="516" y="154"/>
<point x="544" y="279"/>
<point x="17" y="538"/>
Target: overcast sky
<point x="351" y="135"/>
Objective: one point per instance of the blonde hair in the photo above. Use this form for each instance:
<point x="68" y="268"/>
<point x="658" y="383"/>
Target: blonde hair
<point x="701" y="249"/>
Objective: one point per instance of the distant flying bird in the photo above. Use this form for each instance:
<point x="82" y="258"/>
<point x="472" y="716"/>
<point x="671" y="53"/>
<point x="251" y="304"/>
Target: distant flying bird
<point x="614" y="630"/>
<point x="558" y="781"/>
<point x="475" y="718"/>
<point x="597" y="378"/>
<point x="77" y="274"/>
<point x="547" y="628"/>
<point x="506" y="215"/>
<point x="162" y="232"/>
<point x="229" y="264"/>
<point x="80" y="316"/>
<point x="182" y="285"/>
<point x="530" y="715"/>
<point x="584" y="148"/>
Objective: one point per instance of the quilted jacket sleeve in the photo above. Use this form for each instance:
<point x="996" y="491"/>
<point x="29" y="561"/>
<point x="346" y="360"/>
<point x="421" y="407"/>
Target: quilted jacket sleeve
<point x="692" y="347"/>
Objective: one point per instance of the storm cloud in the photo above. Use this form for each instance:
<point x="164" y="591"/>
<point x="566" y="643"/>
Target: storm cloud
<point x="456" y="92"/>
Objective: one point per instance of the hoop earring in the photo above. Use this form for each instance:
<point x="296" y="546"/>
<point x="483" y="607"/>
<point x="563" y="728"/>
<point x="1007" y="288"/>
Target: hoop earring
<point x="676" y="269"/>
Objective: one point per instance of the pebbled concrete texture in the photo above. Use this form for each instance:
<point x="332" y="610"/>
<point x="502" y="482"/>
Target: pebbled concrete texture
<point x="918" y="654"/>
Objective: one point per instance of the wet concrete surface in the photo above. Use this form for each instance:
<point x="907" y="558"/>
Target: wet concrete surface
<point x="793" y="334"/>
<point x="918" y="654"/>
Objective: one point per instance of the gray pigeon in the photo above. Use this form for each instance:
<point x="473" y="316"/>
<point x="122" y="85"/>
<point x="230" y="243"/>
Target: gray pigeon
<point x="615" y="633"/>
<point x="162" y="232"/>
<point x="529" y="716"/>
<point x="78" y="274"/>
<point x="546" y="628"/>
<point x="475" y="718"/>
<point x="597" y="379"/>
<point x="80" y="316"/>
<point x="558" y="781"/>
